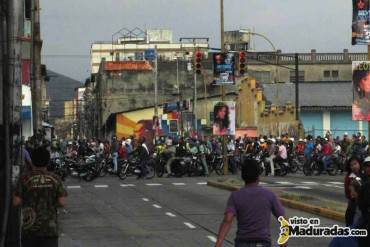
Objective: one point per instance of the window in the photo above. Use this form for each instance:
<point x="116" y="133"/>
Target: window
<point x="326" y="73"/>
<point x="261" y="76"/>
<point x="300" y="76"/>
<point x="335" y="74"/>
<point x="27" y="9"/>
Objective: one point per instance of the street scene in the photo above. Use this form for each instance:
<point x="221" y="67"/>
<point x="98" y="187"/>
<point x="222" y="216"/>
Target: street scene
<point x="184" y="123"/>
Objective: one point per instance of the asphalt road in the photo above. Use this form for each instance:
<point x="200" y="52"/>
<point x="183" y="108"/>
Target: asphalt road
<point x="323" y="186"/>
<point x="159" y="212"/>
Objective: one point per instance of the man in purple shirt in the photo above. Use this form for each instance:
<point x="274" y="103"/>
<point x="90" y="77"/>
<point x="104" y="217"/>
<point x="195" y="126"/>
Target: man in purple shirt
<point x="252" y="206"/>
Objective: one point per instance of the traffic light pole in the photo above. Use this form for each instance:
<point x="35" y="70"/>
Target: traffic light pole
<point x="297" y="91"/>
<point x="195" y="92"/>
<point x="224" y="149"/>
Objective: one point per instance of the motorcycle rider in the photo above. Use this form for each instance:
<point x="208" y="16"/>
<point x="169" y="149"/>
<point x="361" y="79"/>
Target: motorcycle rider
<point x="114" y="153"/>
<point x="142" y="152"/>
<point x="231" y="150"/>
<point x="326" y="154"/>
<point x="197" y="148"/>
<point x="271" y="149"/>
<point x="345" y="143"/>
<point x="282" y="153"/>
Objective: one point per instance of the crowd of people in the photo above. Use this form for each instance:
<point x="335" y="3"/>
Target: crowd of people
<point x="37" y="155"/>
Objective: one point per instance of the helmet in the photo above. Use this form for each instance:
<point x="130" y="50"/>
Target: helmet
<point x="292" y="139"/>
<point x="367" y="160"/>
<point x="262" y="140"/>
<point x="273" y="140"/>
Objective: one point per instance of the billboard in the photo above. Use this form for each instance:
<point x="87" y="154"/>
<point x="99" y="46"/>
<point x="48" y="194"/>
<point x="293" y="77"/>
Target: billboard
<point x="224" y="118"/>
<point x="361" y="90"/>
<point x="223" y="68"/>
<point x="360" y="22"/>
<point x="126" y="127"/>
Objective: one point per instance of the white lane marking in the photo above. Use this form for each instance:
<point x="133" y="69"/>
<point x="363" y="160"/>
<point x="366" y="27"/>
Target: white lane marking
<point x="333" y="186"/>
<point x="74" y="187"/>
<point x="303" y="187"/>
<point x="127" y="185"/>
<point x="178" y="184"/>
<point x="309" y="182"/>
<point x="101" y="186"/>
<point x="153" y="184"/>
<point x="170" y="214"/>
<point x="262" y="183"/>
<point x="189" y="225"/>
<point x="202" y="183"/>
<point x="156" y="206"/>
<point x="336" y="183"/>
<point x="283" y="182"/>
<point x="212" y="238"/>
<point x="145" y="199"/>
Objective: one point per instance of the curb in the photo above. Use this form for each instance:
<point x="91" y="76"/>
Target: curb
<point x="327" y="213"/>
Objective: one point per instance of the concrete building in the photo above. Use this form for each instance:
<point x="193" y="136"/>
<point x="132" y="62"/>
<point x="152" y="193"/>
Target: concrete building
<point x="131" y="45"/>
<point x="325" y="88"/>
<point x="324" y="106"/>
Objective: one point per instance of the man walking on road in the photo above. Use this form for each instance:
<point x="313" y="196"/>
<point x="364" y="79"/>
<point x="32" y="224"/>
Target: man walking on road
<point x="252" y="206"/>
<point x="40" y="193"/>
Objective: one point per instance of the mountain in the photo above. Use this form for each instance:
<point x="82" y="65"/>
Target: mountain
<point x="59" y="88"/>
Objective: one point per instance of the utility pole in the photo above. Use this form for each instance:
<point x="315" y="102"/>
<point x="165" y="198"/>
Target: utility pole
<point x="296" y="56"/>
<point x="223" y="95"/>
<point x="156" y="83"/>
<point x="195" y="101"/>
<point x="36" y="44"/>
<point x="12" y="91"/>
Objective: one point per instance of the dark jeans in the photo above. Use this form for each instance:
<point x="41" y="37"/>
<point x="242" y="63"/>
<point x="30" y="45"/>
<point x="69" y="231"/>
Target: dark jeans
<point x="350" y="212"/>
<point x="239" y="243"/>
<point x="28" y="241"/>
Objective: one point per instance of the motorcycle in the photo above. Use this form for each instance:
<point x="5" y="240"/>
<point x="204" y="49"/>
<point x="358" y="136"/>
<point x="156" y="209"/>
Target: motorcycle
<point x="133" y="167"/>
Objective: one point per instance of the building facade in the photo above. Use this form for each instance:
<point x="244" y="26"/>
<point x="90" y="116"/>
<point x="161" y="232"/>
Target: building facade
<point x="132" y="44"/>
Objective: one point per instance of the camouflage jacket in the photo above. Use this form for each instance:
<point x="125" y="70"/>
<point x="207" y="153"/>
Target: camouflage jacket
<point x="40" y="191"/>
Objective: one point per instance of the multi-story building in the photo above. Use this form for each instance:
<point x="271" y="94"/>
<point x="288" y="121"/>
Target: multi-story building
<point x="132" y="44"/>
<point x="325" y="88"/>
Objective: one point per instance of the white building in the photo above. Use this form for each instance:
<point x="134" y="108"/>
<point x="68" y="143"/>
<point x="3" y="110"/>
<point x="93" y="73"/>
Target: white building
<point x="131" y="46"/>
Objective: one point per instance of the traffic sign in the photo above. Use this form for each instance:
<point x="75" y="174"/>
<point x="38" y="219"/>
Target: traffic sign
<point x="150" y="54"/>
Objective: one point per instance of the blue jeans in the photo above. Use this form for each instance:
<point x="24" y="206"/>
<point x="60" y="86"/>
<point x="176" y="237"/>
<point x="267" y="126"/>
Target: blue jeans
<point x="245" y="244"/>
<point x="325" y="162"/>
<point x="115" y="161"/>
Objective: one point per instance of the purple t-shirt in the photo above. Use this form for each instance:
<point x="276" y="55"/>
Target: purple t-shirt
<point x="252" y="206"/>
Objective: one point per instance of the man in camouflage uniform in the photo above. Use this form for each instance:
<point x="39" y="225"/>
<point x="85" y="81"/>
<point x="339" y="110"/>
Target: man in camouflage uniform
<point x="40" y="193"/>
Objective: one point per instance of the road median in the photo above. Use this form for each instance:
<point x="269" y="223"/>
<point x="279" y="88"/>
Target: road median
<point x="331" y="210"/>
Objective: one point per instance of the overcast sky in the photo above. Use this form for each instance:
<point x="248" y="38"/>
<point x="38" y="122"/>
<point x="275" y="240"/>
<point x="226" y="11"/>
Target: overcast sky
<point x="69" y="27"/>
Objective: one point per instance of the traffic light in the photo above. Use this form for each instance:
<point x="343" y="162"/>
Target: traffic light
<point x="242" y="60"/>
<point x="198" y="59"/>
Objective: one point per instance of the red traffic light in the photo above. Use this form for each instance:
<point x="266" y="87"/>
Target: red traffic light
<point x="198" y="55"/>
<point x="242" y="55"/>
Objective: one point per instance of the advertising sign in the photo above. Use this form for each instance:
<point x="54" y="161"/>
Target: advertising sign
<point x="361" y="90"/>
<point x="224" y="118"/>
<point x="223" y="68"/>
<point x="173" y="126"/>
<point x="360" y="22"/>
<point x="149" y="54"/>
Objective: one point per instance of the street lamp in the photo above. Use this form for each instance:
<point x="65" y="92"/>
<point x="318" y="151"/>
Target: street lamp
<point x="270" y="42"/>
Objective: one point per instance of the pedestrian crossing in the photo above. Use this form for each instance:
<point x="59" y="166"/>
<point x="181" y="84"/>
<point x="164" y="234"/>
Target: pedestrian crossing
<point x="302" y="185"/>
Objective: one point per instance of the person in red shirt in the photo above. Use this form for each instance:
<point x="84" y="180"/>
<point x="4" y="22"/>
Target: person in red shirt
<point x="121" y="151"/>
<point x="326" y="153"/>
<point x="299" y="149"/>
